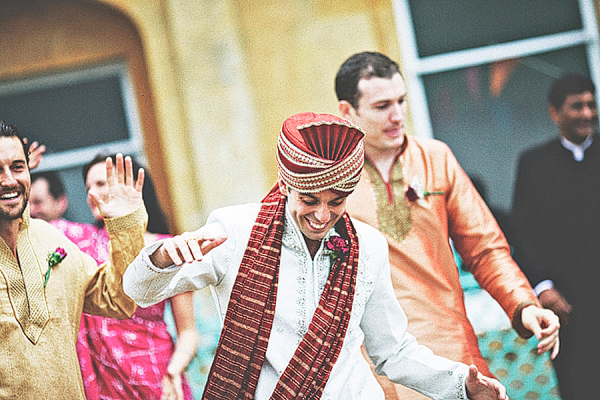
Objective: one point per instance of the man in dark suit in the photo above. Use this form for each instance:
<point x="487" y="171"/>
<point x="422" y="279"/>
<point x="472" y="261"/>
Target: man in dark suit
<point x="556" y="220"/>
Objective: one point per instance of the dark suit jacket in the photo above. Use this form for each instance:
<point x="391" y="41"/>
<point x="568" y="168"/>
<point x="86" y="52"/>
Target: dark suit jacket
<point x="556" y="222"/>
<point x="556" y="216"/>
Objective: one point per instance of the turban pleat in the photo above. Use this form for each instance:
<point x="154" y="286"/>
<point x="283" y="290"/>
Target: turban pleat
<point x="317" y="152"/>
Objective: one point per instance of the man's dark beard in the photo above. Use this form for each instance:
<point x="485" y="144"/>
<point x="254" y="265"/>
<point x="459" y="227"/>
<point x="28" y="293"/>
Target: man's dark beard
<point x="11" y="217"/>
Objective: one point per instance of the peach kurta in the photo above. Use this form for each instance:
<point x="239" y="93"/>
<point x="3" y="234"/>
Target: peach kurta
<point x="39" y="325"/>
<point x="424" y="274"/>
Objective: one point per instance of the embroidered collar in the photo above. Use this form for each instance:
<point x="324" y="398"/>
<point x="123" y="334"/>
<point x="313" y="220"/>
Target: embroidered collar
<point x="396" y="160"/>
<point x="577" y="149"/>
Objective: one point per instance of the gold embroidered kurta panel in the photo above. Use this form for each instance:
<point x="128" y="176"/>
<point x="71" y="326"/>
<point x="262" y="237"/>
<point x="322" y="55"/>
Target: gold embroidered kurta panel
<point x="393" y="217"/>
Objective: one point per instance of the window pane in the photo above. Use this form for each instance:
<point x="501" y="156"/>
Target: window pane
<point x="489" y="114"/>
<point x="449" y="25"/>
<point x="70" y="115"/>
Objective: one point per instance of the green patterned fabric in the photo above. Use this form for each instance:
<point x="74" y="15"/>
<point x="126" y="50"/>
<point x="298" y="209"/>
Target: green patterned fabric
<point x="517" y="365"/>
<point x="512" y="359"/>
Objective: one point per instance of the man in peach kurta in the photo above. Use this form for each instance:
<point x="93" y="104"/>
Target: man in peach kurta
<point x="40" y="311"/>
<point x="416" y="193"/>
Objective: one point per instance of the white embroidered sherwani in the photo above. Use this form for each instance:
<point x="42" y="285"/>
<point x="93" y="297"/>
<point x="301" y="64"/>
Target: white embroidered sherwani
<point x="377" y="319"/>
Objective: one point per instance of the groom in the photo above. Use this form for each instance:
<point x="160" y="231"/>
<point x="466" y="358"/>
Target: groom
<point x="301" y="286"/>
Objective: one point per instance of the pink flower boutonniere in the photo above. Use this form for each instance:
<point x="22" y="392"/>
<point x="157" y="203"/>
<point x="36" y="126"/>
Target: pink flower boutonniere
<point x="337" y="246"/>
<point x="54" y="258"/>
<point x="416" y="192"/>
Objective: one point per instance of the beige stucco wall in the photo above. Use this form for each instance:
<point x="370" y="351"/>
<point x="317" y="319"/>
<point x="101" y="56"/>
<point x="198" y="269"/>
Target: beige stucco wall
<point x="202" y="104"/>
<point x="225" y="74"/>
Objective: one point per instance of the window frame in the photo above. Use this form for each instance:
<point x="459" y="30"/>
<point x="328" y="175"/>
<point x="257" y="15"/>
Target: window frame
<point x="80" y="156"/>
<point x="415" y="67"/>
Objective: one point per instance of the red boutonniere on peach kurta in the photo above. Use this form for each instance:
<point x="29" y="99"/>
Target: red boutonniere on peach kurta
<point x="415" y="192"/>
<point x="54" y="258"/>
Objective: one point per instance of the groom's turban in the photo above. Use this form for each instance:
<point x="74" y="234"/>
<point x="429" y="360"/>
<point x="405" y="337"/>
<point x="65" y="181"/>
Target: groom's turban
<point x="317" y="152"/>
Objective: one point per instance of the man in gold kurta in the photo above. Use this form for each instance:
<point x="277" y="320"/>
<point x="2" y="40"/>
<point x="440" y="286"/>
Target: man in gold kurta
<point x="40" y="312"/>
<point x="416" y="193"/>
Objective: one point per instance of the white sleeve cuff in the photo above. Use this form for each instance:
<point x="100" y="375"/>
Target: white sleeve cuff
<point x="543" y="285"/>
<point x="148" y="251"/>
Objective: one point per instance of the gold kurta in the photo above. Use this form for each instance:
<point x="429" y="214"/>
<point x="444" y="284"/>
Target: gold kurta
<point x="39" y="325"/>
<point x="424" y="274"/>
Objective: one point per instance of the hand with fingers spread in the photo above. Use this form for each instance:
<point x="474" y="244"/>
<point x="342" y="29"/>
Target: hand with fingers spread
<point x="36" y="151"/>
<point x="184" y="248"/>
<point x="545" y="326"/>
<point x="480" y="387"/>
<point x="124" y="194"/>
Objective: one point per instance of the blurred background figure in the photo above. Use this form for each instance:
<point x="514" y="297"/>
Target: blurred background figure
<point x="134" y="358"/>
<point x="48" y="199"/>
<point x="556" y="218"/>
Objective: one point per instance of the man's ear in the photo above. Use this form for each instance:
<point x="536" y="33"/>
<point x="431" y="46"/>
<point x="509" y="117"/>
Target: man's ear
<point x="282" y="187"/>
<point x="347" y="110"/>
<point x="63" y="204"/>
<point x="554" y="114"/>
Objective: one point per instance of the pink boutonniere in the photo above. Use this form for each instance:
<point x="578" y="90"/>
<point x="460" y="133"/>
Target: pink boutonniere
<point x="54" y="258"/>
<point x="415" y="192"/>
<point x="337" y="246"/>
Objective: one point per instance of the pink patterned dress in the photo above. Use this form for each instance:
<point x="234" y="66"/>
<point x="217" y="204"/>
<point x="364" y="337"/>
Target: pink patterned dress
<point x="120" y="359"/>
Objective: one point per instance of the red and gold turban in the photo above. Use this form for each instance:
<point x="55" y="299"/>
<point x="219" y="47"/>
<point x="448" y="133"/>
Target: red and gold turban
<point x="317" y="152"/>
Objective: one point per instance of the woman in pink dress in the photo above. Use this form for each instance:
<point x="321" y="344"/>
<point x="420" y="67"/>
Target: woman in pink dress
<point x="134" y="358"/>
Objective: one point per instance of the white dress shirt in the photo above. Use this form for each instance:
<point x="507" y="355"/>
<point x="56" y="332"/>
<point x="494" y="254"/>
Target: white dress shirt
<point x="578" y="150"/>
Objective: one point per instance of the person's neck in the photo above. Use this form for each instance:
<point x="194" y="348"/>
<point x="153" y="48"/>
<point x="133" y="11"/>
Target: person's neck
<point x="577" y="140"/>
<point x="9" y="232"/>
<point x="312" y="246"/>
<point x="383" y="160"/>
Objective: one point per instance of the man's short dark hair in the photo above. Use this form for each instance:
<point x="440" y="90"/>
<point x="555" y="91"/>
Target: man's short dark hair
<point x="362" y="66"/>
<point x="55" y="183"/>
<point x="8" y="130"/>
<point x="569" y="84"/>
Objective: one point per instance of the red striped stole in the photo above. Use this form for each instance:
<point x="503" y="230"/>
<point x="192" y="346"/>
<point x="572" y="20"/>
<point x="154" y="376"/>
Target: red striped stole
<point x="249" y="318"/>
